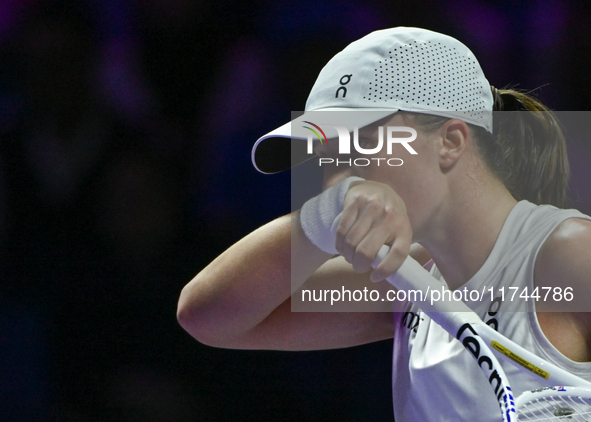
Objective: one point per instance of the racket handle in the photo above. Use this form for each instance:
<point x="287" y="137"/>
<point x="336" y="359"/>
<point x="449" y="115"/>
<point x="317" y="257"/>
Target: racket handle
<point x="422" y="289"/>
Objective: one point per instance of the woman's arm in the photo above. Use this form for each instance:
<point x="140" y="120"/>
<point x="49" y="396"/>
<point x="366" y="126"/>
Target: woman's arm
<point x="241" y="299"/>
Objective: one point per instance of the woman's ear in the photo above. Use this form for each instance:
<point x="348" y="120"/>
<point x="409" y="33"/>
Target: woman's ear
<point x="454" y="138"/>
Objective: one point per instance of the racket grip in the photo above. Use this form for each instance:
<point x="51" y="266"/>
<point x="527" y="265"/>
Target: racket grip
<point x="421" y="288"/>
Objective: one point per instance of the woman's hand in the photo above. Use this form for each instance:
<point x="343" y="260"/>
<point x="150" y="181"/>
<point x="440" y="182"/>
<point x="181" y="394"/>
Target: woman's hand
<point x="373" y="215"/>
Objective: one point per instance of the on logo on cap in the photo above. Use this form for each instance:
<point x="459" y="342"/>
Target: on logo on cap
<point x="336" y="95"/>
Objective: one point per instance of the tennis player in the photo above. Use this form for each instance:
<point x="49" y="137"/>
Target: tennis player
<point x="480" y="199"/>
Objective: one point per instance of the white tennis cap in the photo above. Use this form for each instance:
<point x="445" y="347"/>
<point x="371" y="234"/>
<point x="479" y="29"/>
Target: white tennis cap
<point x="408" y="69"/>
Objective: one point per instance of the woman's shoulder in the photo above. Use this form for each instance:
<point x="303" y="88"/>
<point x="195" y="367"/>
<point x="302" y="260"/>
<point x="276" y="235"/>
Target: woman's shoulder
<point x="564" y="259"/>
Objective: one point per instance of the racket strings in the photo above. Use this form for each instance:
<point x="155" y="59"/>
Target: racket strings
<point x="556" y="408"/>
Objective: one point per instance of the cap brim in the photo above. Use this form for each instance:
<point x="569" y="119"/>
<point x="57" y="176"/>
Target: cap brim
<point x="285" y="146"/>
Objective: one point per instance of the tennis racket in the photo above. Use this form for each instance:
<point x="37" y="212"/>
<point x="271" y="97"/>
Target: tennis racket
<point x="551" y="402"/>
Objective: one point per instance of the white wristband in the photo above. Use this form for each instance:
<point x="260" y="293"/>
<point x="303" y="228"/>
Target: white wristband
<point x="319" y="215"/>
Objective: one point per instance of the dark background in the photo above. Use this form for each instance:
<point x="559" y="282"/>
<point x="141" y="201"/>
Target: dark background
<point x="125" y="133"/>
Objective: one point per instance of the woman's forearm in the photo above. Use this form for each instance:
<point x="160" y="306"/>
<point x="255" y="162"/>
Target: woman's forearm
<point x="242" y="286"/>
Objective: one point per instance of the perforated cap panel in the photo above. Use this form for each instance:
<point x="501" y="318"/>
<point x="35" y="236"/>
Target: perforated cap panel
<point x="427" y="75"/>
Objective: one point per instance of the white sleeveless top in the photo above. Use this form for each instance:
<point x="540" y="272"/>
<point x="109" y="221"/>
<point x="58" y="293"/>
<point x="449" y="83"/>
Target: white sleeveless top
<point x="427" y="360"/>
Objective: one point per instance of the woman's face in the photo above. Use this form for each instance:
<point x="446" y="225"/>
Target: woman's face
<point x="416" y="178"/>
